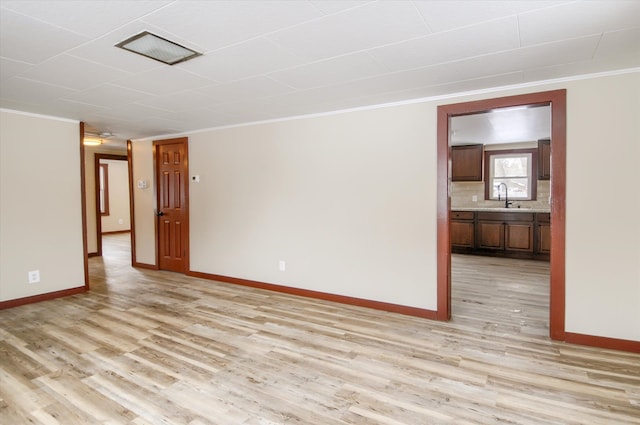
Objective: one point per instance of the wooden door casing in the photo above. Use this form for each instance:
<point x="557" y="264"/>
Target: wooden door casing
<point x="172" y="204"/>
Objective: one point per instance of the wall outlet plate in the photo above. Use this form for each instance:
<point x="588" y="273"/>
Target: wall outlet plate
<point x="34" y="276"/>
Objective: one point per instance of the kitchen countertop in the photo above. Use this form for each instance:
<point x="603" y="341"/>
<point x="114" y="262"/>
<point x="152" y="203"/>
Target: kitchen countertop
<point x="512" y="209"/>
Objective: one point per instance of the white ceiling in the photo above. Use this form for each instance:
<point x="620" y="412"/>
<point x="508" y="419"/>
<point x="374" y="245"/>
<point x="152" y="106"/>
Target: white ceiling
<point x="264" y="60"/>
<point x="504" y="125"/>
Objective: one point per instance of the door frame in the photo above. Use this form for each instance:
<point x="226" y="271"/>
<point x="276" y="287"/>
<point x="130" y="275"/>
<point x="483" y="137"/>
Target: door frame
<point x="557" y="100"/>
<point x="185" y="188"/>
<point x="97" y="157"/>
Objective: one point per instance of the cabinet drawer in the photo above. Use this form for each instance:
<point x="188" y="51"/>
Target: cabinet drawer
<point x="543" y="217"/>
<point x="500" y="216"/>
<point x="462" y="215"/>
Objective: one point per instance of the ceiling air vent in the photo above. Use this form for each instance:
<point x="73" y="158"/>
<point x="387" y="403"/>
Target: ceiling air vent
<point x="158" y="48"/>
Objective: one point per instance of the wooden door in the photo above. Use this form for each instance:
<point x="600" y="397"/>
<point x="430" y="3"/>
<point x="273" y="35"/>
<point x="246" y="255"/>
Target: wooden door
<point x="172" y="212"/>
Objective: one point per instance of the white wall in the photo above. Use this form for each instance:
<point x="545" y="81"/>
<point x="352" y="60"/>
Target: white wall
<point x="40" y="205"/>
<point x="603" y="238"/>
<point x="118" y="219"/>
<point x="345" y="200"/>
<point x="349" y="202"/>
<point x="144" y="202"/>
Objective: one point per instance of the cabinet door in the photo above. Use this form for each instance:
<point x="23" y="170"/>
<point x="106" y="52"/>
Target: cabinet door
<point x="544" y="238"/>
<point x="490" y="235"/>
<point x="519" y="237"/>
<point x="466" y="163"/>
<point x="462" y="234"/>
<point x="544" y="159"/>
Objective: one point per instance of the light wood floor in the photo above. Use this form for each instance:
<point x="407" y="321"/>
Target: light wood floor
<point x="148" y="347"/>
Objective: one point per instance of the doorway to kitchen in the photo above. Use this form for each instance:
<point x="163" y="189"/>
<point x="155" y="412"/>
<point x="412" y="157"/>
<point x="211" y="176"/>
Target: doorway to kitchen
<point x="556" y="100"/>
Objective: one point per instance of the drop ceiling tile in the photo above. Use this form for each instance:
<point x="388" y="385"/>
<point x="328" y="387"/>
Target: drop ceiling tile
<point x="329" y="7"/>
<point x="72" y="72"/>
<point x="330" y="71"/>
<point x="128" y="110"/>
<point x="10" y="68"/>
<point x="452" y="45"/>
<point x="250" y="88"/>
<point x="576" y="20"/>
<point x="72" y="14"/>
<point x="188" y="99"/>
<point x="108" y="95"/>
<point x="163" y="80"/>
<point x="200" y="119"/>
<point x="447" y="14"/>
<point x="516" y="60"/>
<point x="28" y="40"/>
<point x="371" y="25"/>
<point x="248" y="59"/>
<point x="582" y="67"/>
<point x="619" y="43"/>
<point x="28" y="91"/>
<point x="216" y="24"/>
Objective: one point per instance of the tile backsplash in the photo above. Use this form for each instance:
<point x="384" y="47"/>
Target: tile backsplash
<point x="462" y="194"/>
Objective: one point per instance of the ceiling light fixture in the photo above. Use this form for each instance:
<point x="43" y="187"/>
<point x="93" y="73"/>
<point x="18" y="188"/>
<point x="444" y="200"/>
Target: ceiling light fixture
<point x="158" y="48"/>
<point x="90" y="141"/>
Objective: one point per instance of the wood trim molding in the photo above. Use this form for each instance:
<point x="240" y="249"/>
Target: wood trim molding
<point x="145" y="266"/>
<point x="96" y="161"/>
<point x="132" y="208"/>
<point x="603" y="342"/>
<point x="83" y="203"/>
<point x="42" y="297"/>
<point x="116" y="232"/>
<point x="557" y="98"/>
<point x="342" y="299"/>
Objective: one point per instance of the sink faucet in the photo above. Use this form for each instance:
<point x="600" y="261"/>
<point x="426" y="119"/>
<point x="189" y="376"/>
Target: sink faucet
<point x="506" y="195"/>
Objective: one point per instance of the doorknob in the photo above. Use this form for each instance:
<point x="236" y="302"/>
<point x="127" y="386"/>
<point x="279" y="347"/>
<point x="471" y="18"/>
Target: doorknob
<point x="159" y="213"/>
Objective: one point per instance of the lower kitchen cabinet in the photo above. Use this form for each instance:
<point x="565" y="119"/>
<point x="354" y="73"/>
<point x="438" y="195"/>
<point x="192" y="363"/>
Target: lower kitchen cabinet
<point x="505" y="234"/>
<point x="490" y="235"/>
<point x="543" y="233"/>
<point x="462" y="232"/>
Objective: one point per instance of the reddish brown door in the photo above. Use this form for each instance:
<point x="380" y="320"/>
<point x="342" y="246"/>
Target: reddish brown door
<point x="172" y="212"/>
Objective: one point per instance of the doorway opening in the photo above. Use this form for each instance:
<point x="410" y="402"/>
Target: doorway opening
<point x="557" y="101"/>
<point x="112" y="187"/>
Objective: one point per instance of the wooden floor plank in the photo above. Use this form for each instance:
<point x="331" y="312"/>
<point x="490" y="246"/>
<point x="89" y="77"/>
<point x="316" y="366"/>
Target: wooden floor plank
<point x="150" y="347"/>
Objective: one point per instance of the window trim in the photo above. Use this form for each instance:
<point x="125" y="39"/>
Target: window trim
<point x="534" y="170"/>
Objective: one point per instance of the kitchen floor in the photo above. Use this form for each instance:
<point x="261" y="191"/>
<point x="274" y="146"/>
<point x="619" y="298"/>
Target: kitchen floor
<point x="500" y="294"/>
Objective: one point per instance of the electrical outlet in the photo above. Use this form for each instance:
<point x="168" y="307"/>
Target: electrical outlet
<point x="474" y="198"/>
<point x="282" y="265"/>
<point x="34" y="276"/>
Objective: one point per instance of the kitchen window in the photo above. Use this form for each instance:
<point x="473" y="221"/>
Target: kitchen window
<point x="511" y="173"/>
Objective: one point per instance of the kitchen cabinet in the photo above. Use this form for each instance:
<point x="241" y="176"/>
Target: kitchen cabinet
<point x="544" y="159"/>
<point x="506" y="231"/>
<point x="462" y="232"/>
<point x="543" y="233"/>
<point x="466" y="163"/>
<point x="518" y="234"/>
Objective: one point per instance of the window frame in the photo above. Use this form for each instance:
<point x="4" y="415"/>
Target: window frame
<point x="533" y="177"/>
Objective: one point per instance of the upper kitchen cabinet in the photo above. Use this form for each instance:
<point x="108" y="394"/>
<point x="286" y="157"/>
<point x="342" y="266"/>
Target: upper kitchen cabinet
<point x="544" y="159"/>
<point x="466" y="163"/>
